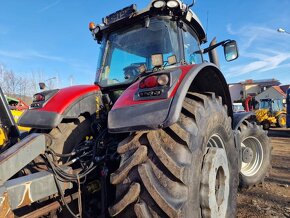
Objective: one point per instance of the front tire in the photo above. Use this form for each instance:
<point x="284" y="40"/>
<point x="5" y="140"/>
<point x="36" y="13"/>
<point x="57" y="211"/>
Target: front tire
<point x="189" y="169"/>
<point x="281" y="121"/>
<point x="256" y="152"/>
<point x="69" y="134"/>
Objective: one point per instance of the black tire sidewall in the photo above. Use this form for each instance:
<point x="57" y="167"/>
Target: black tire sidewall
<point x="203" y="116"/>
<point x="212" y="121"/>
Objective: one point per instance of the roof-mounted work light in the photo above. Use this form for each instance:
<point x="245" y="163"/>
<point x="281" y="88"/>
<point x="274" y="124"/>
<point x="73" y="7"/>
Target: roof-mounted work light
<point x="173" y="4"/>
<point x="158" y="4"/>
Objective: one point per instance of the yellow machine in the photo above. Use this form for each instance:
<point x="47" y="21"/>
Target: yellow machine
<point x="3" y="137"/>
<point x="16" y="114"/>
<point x="9" y="132"/>
<point x="271" y="112"/>
<point x="17" y="108"/>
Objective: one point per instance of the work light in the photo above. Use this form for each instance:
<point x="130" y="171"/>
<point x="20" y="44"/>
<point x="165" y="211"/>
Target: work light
<point x="159" y="4"/>
<point x="172" y="4"/>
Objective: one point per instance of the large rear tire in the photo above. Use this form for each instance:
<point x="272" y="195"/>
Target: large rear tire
<point x="189" y="169"/>
<point x="256" y="152"/>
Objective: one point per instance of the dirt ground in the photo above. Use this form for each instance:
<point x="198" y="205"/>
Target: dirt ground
<point x="272" y="198"/>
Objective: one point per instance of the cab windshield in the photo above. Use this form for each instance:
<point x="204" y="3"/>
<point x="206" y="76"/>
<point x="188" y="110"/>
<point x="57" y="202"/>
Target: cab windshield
<point x="126" y="51"/>
<point x="273" y="105"/>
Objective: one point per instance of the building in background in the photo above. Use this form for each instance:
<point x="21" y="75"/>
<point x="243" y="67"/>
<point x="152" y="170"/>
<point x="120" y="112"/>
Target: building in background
<point x="274" y="92"/>
<point x="242" y="90"/>
<point x="285" y="88"/>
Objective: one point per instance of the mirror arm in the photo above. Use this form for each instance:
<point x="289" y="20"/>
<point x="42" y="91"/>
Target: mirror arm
<point x="204" y="51"/>
<point x="193" y="3"/>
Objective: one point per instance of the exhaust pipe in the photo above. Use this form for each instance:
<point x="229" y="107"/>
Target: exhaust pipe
<point x="212" y="54"/>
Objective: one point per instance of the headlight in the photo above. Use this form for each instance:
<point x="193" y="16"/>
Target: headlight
<point x="172" y="4"/>
<point x="158" y="4"/>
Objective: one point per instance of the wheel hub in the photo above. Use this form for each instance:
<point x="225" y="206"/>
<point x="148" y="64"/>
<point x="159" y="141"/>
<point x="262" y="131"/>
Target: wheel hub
<point x="247" y="154"/>
<point x="215" y="183"/>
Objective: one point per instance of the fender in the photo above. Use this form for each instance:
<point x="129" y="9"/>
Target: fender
<point x="279" y="113"/>
<point x="128" y="115"/>
<point x="238" y="118"/>
<point x="67" y="103"/>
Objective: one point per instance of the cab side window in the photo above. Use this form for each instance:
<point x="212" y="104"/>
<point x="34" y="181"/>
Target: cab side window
<point x="191" y="48"/>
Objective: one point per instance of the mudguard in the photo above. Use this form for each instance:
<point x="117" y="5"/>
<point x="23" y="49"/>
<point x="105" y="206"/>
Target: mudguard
<point x="239" y="117"/>
<point x="67" y="103"/>
<point x="129" y="115"/>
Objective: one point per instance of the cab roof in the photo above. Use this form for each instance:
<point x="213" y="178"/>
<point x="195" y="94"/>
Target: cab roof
<point x="131" y="14"/>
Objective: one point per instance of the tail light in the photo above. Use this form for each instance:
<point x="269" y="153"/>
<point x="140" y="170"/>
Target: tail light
<point x="154" y="81"/>
<point x="149" y="82"/>
<point x="38" y="100"/>
<point x="38" y="97"/>
<point x="154" y="87"/>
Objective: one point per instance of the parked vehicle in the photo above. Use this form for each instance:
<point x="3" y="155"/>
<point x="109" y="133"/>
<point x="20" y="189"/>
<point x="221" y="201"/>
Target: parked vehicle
<point x="17" y="107"/>
<point x="16" y="104"/>
<point x="154" y="139"/>
<point x="238" y="107"/>
<point x="271" y="112"/>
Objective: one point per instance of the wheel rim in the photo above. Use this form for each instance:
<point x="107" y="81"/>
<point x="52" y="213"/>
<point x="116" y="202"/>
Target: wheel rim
<point x="214" y="191"/>
<point x="215" y="141"/>
<point x="251" y="168"/>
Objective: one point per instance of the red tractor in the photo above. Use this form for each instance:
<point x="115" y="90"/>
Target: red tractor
<point x="155" y="136"/>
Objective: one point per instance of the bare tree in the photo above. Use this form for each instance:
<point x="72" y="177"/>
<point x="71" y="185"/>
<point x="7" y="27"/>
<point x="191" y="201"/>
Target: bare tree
<point x="14" y="84"/>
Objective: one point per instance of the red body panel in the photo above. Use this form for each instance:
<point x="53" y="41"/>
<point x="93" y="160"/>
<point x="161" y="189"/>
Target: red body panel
<point x="127" y="98"/>
<point x="66" y="96"/>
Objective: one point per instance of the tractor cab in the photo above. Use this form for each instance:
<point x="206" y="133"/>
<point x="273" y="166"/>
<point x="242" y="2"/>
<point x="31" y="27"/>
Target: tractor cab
<point x="273" y="105"/>
<point x="136" y="43"/>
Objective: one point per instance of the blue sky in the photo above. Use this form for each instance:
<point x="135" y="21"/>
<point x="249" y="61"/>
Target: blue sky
<point x="50" y="38"/>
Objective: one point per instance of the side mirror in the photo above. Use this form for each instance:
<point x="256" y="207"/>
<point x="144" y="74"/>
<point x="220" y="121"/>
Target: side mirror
<point x="42" y="86"/>
<point x="231" y="50"/>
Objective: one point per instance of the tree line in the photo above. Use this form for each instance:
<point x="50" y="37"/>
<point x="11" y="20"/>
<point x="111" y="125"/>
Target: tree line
<point x="17" y="85"/>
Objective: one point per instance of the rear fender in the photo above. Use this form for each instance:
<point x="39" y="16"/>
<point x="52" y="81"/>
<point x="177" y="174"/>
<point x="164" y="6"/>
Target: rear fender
<point x="239" y="118"/>
<point x="205" y="77"/>
<point x="67" y="103"/>
<point x="128" y="115"/>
